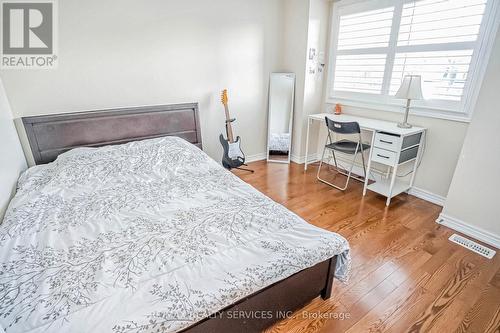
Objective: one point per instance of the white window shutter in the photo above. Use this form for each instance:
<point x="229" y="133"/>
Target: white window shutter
<point x="376" y="47"/>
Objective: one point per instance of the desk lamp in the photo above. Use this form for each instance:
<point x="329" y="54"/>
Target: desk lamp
<point x="411" y="88"/>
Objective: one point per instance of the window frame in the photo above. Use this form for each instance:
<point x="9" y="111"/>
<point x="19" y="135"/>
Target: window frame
<point x="450" y="110"/>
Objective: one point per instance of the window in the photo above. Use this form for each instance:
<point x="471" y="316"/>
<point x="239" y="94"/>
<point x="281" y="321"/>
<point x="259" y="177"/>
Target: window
<point x="376" y="43"/>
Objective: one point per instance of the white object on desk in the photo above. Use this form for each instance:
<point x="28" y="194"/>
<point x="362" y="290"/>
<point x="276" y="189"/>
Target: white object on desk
<point x="411" y="88"/>
<point x="390" y="145"/>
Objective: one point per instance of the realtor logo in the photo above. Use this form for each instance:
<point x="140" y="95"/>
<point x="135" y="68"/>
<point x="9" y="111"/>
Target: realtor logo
<point x="28" y="34"/>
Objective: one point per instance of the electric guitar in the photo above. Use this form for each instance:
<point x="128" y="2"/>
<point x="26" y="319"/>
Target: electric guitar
<point x="233" y="156"/>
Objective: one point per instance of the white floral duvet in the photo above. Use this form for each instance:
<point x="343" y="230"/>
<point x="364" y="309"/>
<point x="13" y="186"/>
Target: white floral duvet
<point x="144" y="237"/>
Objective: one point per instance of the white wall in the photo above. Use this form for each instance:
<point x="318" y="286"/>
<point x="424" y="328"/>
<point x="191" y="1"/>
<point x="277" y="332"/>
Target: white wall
<point x="319" y="13"/>
<point x="129" y="53"/>
<point x="12" y="159"/>
<point x="472" y="205"/>
<point x="296" y="21"/>
<point x="306" y="27"/>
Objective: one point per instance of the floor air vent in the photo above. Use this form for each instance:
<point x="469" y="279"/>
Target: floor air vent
<point x="473" y="246"/>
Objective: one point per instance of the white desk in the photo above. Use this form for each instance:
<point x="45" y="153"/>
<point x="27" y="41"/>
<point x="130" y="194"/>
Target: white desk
<point x="390" y="145"/>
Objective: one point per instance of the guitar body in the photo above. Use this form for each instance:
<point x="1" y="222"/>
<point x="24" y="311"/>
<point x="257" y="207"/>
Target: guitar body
<point x="233" y="156"/>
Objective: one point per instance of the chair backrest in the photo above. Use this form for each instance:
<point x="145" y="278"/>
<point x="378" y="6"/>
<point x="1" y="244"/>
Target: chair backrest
<point x="342" y="128"/>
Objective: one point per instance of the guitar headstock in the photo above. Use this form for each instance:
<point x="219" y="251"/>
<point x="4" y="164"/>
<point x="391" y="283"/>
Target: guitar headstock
<point x="223" y="97"/>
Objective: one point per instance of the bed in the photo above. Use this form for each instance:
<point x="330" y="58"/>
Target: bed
<point x="138" y="230"/>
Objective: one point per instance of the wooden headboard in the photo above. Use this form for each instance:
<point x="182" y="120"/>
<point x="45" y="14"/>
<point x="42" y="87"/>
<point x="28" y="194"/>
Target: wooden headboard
<point x="52" y="135"/>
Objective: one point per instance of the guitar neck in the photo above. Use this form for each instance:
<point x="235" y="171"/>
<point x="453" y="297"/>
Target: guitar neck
<point x="229" y="127"/>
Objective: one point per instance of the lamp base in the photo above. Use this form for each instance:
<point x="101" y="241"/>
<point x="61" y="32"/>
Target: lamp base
<point x="405" y="125"/>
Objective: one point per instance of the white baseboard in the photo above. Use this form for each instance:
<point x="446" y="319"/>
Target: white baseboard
<point x="469" y="230"/>
<point x="255" y="157"/>
<point x="294" y="158"/>
<point x="302" y="159"/>
<point x="427" y="196"/>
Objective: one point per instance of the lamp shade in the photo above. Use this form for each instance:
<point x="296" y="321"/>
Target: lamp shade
<point x="411" y="88"/>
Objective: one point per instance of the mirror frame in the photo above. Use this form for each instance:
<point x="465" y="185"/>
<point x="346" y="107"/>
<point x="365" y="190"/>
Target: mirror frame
<point x="290" y="125"/>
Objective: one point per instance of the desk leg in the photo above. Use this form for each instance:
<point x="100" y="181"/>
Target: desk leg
<point x="369" y="165"/>
<point x="307" y="143"/>
<point x="391" y="187"/>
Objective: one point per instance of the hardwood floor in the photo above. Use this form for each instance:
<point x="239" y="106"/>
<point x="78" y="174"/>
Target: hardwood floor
<point x="406" y="277"/>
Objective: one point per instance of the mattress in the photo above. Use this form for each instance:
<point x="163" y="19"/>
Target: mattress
<point x="144" y="237"/>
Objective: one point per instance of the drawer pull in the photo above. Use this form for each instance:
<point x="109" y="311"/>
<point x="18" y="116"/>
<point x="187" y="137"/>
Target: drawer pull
<point x="382" y="156"/>
<point x="389" y="142"/>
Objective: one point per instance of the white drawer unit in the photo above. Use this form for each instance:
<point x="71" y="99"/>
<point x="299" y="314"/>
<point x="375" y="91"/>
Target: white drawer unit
<point x="390" y="158"/>
<point x="387" y="141"/>
<point x="395" y="142"/>
<point x="392" y="150"/>
<point x="384" y="156"/>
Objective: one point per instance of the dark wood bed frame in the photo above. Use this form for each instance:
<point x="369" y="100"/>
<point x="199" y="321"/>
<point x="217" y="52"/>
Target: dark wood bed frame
<point x="52" y="135"/>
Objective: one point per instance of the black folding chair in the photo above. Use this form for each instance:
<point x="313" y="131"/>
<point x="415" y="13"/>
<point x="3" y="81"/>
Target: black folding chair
<point x="343" y="146"/>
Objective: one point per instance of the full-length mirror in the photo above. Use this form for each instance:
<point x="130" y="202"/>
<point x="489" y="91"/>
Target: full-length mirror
<point x="281" y="97"/>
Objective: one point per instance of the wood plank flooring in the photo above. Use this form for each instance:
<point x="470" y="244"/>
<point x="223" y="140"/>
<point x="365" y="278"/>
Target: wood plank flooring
<point x="407" y="276"/>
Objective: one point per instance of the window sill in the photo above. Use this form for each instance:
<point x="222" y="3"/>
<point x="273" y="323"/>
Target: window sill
<point x="415" y="111"/>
